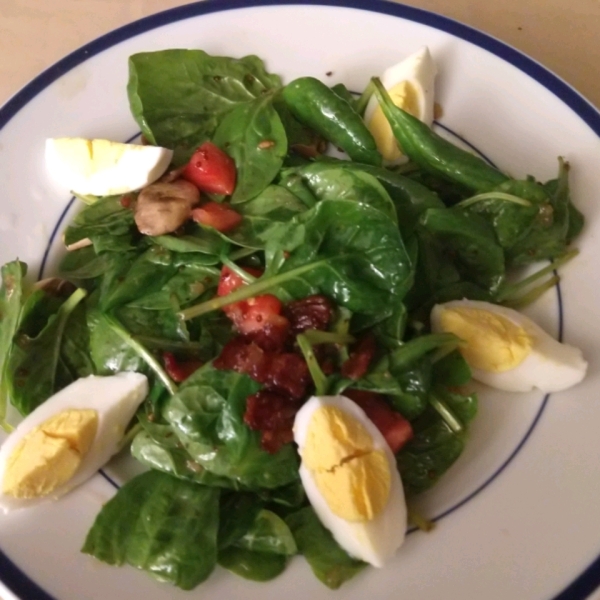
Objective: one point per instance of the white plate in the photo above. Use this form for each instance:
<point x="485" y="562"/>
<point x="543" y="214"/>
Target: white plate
<point x="518" y="513"/>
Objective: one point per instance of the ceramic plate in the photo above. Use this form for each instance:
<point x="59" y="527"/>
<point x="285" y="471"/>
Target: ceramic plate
<point x="517" y="515"/>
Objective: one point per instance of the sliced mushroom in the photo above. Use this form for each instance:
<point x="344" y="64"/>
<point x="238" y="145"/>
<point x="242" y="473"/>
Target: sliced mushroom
<point x="164" y="207"/>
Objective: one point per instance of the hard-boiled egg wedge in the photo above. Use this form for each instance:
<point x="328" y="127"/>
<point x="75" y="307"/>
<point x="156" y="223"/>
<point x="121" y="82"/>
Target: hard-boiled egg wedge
<point x="68" y="438"/>
<point x="410" y="84"/>
<point x="507" y="350"/>
<point x="102" y="167"/>
<point x="350" y="477"/>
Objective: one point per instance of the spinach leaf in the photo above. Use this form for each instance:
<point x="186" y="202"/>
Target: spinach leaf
<point x="155" y="323"/>
<point x="204" y="244"/>
<point x="479" y="258"/>
<point x="452" y="370"/>
<point x="157" y="447"/>
<point x="162" y="525"/>
<point x="75" y="345"/>
<point x="106" y="222"/>
<point x="347" y="250"/>
<point x="147" y="274"/>
<point x="263" y="215"/>
<point x="207" y="415"/>
<point x="551" y="230"/>
<point x="256" y="566"/>
<point x="301" y="139"/>
<point x="110" y="353"/>
<point x="269" y="533"/>
<point x="189" y="282"/>
<point x="85" y="263"/>
<point x="328" y="561"/>
<point x="11" y="299"/>
<point x="34" y="363"/>
<point x="434" y="447"/>
<point x="333" y="182"/>
<point x="178" y="97"/>
<point x="253" y="135"/>
<point x="238" y="511"/>
<point x="511" y="221"/>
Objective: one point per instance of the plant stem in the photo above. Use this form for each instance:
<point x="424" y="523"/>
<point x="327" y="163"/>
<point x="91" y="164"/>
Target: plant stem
<point x="510" y="291"/>
<point x="447" y="415"/>
<point x="361" y="103"/>
<point x="247" y="291"/>
<point x="143" y="353"/>
<point x="493" y="196"/>
<point x="316" y="373"/>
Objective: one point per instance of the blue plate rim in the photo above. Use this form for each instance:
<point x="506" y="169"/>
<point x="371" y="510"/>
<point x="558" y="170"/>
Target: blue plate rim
<point x="589" y="580"/>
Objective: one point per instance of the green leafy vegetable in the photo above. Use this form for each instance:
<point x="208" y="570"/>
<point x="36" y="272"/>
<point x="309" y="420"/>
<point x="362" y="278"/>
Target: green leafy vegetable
<point x="207" y="415"/>
<point x="328" y="561"/>
<point x="165" y="526"/>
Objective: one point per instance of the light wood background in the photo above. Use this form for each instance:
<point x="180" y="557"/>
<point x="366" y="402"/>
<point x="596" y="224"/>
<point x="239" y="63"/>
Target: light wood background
<point x="561" y="34"/>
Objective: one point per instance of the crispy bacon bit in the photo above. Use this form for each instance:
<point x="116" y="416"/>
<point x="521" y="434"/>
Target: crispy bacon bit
<point x="360" y="358"/>
<point x="273" y="335"/>
<point x="273" y="415"/>
<point x="396" y="430"/>
<point x="179" y="371"/>
<point x="285" y="372"/>
<point x="312" y="312"/>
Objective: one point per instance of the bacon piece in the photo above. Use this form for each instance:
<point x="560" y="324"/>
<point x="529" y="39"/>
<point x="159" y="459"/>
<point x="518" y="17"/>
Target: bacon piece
<point x="360" y="358"/>
<point x="284" y="372"/>
<point x="179" y="371"/>
<point x="396" y="430"/>
<point x="312" y="312"/>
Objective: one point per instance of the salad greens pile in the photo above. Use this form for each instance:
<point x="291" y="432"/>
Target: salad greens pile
<point x="383" y="243"/>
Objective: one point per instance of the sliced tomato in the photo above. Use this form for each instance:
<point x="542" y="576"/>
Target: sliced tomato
<point x="211" y="170"/>
<point x="220" y="216"/>
<point x="230" y="281"/>
<point x="179" y="371"/>
<point x="262" y="313"/>
<point x="393" y="426"/>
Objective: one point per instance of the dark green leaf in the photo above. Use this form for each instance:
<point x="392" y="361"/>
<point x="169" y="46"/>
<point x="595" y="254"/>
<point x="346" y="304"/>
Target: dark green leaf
<point x="472" y="241"/>
<point x="178" y="97"/>
<point x="268" y="533"/>
<point x="256" y="566"/>
<point x="207" y="415"/>
<point x="328" y="561"/>
<point x="165" y="526"/>
<point x="34" y="362"/>
<point x="253" y="135"/>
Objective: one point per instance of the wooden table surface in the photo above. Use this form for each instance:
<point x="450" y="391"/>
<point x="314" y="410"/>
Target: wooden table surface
<point x="562" y="35"/>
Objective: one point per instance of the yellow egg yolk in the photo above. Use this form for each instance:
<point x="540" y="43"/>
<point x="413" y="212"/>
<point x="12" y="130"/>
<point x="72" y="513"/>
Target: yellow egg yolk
<point x="405" y="95"/>
<point x="493" y="342"/>
<point x="49" y="455"/>
<point x="353" y="477"/>
<point x="91" y="156"/>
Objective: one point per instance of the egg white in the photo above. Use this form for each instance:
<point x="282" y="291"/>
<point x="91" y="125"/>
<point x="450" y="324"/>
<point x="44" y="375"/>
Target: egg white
<point x="115" y="398"/>
<point x="551" y="366"/>
<point x="420" y="70"/>
<point x="374" y="541"/>
<point x="119" y="169"/>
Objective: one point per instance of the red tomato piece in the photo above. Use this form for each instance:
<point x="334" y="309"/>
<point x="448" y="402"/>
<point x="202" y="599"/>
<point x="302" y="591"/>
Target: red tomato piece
<point x="211" y="170"/>
<point x="216" y="215"/>
<point x="261" y="314"/>
<point x="230" y="281"/>
<point x="360" y="357"/>
<point x="393" y="426"/>
<point x="179" y="371"/>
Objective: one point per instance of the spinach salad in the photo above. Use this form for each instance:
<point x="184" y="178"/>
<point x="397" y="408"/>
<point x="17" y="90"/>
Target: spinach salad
<point x="311" y="275"/>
